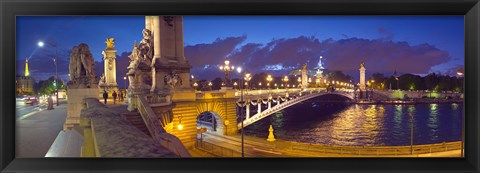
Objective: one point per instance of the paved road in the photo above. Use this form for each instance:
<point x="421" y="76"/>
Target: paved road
<point x="36" y="133"/>
<point x="25" y="110"/>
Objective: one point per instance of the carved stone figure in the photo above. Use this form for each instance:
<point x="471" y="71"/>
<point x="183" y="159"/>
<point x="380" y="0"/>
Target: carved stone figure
<point x="110" y="43"/>
<point x="102" y="79"/>
<point x="362" y="65"/>
<point x="146" y="46"/>
<point x="172" y="79"/>
<point x="81" y="67"/>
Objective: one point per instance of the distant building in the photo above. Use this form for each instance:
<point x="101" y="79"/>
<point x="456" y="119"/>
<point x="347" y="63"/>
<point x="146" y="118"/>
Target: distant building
<point x="24" y="84"/>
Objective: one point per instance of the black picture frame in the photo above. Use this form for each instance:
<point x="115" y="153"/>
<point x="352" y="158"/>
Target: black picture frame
<point x="9" y="9"/>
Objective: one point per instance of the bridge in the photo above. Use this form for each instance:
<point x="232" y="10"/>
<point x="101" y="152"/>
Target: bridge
<point x="284" y="102"/>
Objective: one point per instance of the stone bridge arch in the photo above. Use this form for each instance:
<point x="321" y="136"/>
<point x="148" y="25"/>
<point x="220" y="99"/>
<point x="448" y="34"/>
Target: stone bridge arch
<point x="225" y="108"/>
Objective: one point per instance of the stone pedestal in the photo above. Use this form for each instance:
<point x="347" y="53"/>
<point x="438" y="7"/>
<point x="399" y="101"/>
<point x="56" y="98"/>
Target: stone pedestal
<point x="76" y="104"/>
<point x="110" y="72"/>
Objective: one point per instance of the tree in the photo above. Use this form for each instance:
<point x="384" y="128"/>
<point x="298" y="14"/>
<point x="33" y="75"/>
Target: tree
<point x="379" y="79"/>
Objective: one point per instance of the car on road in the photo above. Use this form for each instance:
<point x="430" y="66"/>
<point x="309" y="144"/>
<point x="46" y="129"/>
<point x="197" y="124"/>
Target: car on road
<point x="31" y="100"/>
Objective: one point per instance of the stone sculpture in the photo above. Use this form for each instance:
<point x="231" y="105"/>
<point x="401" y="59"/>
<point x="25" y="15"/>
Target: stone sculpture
<point x="110" y="43"/>
<point x="172" y="79"/>
<point x="81" y="67"/>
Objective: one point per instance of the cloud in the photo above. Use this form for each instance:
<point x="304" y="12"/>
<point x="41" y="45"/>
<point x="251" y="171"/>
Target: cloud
<point x="200" y="55"/>
<point x="280" y="56"/>
<point x="344" y="54"/>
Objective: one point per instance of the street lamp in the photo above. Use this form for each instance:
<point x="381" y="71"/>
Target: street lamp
<point x="41" y="44"/>
<point x="195" y="85"/>
<point x="226" y="68"/>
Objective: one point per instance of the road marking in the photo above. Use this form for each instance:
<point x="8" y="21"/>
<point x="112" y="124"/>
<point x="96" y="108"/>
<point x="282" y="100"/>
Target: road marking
<point x="29" y="114"/>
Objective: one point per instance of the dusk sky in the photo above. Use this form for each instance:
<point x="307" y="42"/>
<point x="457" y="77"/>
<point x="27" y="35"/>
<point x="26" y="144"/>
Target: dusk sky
<point x="273" y="44"/>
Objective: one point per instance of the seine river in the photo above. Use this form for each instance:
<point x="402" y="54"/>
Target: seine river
<point x="358" y="125"/>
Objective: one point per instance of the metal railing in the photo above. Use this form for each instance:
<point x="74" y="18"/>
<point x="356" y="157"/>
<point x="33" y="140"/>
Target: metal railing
<point x="377" y="150"/>
<point x="217" y="150"/>
<point x="305" y="96"/>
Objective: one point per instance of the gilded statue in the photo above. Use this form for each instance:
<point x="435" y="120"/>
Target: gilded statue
<point x="304" y="66"/>
<point x="110" y="43"/>
<point x="362" y="65"/>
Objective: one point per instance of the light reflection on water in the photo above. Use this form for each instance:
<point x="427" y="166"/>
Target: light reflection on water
<point x="343" y="124"/>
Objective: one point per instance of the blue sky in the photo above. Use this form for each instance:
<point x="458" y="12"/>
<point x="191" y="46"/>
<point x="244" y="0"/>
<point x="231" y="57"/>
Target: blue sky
<point x="437" y="42"/>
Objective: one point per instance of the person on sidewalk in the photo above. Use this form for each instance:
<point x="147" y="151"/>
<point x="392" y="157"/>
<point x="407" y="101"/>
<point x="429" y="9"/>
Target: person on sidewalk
<point x="105" y="96"/>
<point x="50" y="102"/>
<point x="114" y="94"/>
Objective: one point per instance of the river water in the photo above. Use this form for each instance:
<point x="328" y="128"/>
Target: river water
<point x="344" y="124"/>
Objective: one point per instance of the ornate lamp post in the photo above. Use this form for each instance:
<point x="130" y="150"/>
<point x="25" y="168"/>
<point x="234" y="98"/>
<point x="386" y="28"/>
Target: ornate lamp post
<point x="269" y="79"/>
<point x="195" y="85"/>
<point x="226" y="68"/>
<point x="239" y="70"/>
<point x="210" y="85"/>
<point x="41" y="44"/>
<point x="285" y="79"/>
<point x="247" y="78"/>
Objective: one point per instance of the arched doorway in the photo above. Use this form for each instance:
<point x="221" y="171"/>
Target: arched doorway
<point x="211" y="121"/>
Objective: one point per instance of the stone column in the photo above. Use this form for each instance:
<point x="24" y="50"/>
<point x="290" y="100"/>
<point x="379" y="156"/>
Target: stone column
<point x="304" y="78"/>
<point x="269" y="104"/>
<point x="362" y="78"/>
<point x="157" y="49"/>
<point x="179" y="39"/>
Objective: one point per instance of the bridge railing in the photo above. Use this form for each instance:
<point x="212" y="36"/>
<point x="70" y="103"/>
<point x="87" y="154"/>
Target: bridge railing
<point x="377" y="150"/>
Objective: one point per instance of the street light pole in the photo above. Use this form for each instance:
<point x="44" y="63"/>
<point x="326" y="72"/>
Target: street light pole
<point x="411" y="133"/>
<point x="239" y="70"/>
<point x="55" y="60"/>
<point x="56" y="71"/>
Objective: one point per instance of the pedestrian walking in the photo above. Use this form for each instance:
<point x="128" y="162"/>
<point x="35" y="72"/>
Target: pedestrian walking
<point x="114" y="95"/>
<point x="121" y="96"/>
<point x="105" y="96"/>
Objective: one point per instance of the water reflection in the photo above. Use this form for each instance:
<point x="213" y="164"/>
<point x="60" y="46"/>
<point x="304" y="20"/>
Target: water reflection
<point x="343" y="124"/>
<point x="433" y="121"/>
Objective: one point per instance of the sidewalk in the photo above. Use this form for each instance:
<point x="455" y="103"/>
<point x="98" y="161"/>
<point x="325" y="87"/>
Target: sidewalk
<point x="35" y="134"/>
